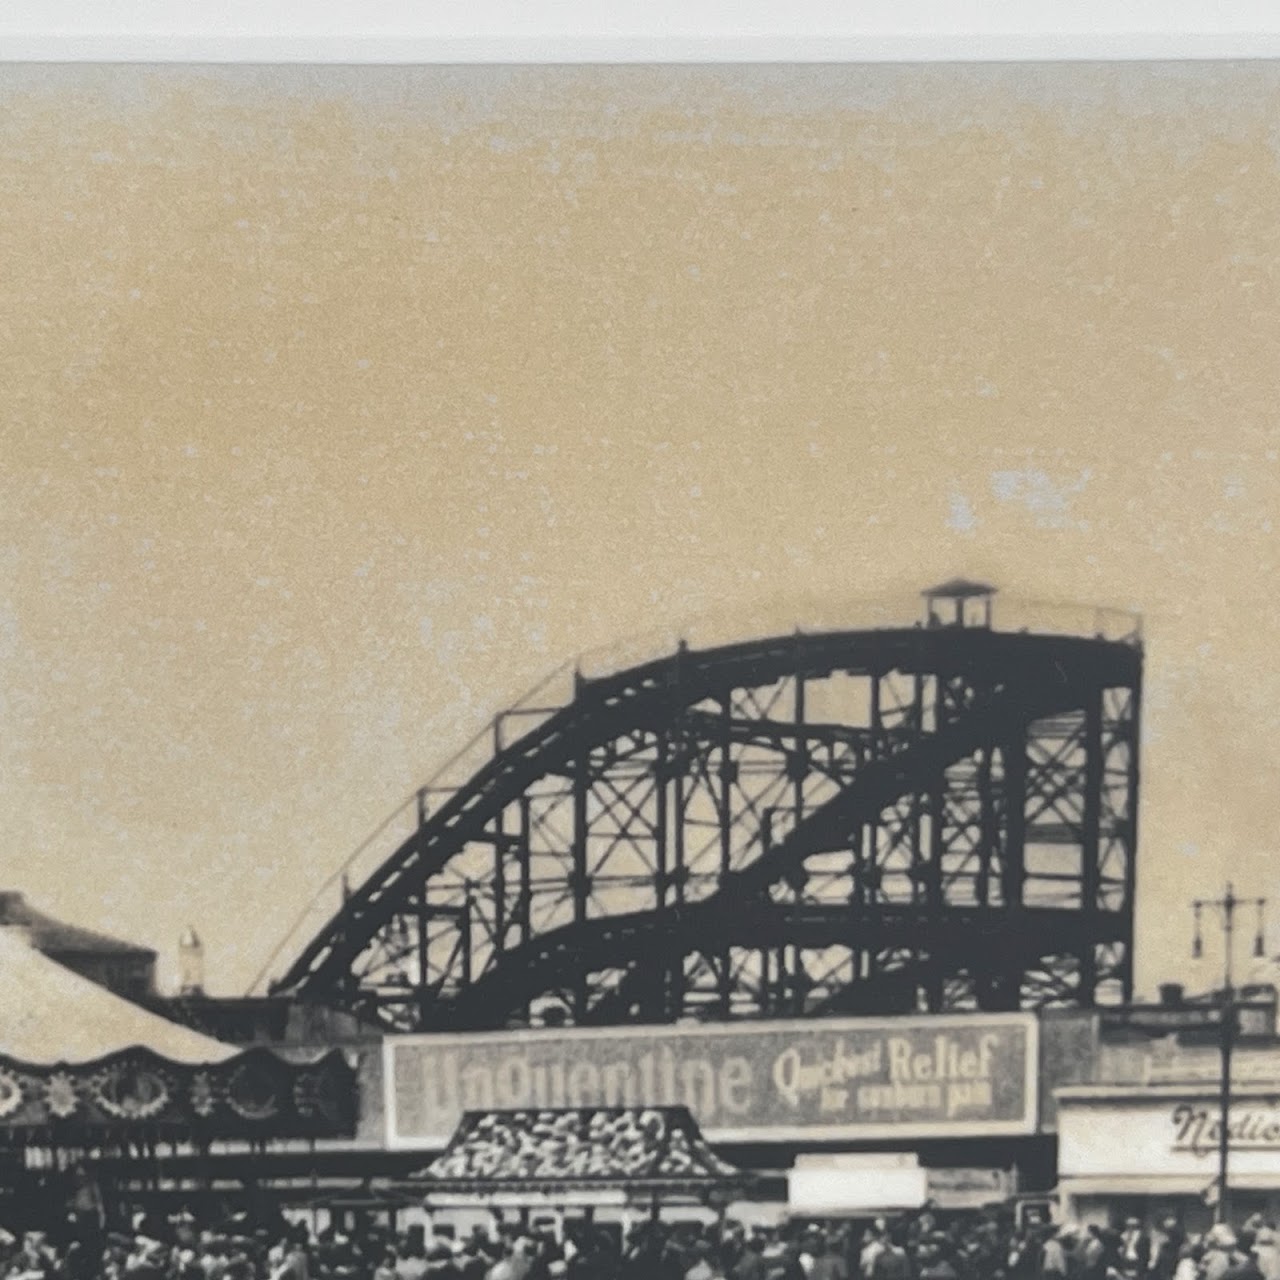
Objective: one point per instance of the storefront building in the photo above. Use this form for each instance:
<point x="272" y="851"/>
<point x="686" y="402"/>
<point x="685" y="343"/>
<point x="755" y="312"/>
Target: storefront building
<point x="1148" y="1146"/>
<point x="1155" y="1154"/>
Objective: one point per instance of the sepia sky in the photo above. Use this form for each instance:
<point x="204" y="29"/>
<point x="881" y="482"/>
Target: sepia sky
<point x="341" y="405"/>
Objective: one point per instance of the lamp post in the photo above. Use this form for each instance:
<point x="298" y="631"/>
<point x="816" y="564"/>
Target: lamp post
<point x="1226" y="907"/>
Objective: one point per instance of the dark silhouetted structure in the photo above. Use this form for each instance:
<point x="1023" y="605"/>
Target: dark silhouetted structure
<point x="925" y="817"/>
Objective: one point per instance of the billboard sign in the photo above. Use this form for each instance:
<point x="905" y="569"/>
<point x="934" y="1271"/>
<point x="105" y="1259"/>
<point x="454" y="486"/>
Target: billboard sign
<point x="873" y="1079"/>
<point x="1165" y="1131"/>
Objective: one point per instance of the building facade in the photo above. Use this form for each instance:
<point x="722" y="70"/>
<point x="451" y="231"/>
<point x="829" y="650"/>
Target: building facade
<point x="1142" y="1138"/>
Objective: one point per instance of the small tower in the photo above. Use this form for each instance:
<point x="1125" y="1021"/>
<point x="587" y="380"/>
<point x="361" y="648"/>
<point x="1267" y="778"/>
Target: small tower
<point x="190" y="964"/>
<point x="959" y="603"/>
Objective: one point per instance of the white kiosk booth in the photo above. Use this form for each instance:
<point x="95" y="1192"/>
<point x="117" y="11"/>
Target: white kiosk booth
<point x="847" y="1185"/>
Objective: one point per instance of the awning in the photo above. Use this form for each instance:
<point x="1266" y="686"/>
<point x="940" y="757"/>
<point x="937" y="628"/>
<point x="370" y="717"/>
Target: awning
<point x="599" y="1154"/>
<point x="1155" y="1184"/>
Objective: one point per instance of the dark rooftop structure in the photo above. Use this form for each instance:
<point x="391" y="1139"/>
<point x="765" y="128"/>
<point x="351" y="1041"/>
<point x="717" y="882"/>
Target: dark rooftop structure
<point x="958" y="589"/>
<point x="122" y="967"/>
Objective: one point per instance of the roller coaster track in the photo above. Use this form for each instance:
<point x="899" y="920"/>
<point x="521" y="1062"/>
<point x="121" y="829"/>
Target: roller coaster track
<point x="738" y="910"/>
<point x="651" y="696"/>
<point x="620" y="940"/>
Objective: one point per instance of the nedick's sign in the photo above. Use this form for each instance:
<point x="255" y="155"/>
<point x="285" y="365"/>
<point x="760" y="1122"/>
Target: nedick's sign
<point x="853" y="1078"/>
<point x="1196" y="1128"/>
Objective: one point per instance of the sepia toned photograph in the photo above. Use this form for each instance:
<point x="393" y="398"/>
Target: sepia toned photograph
<point x="650" y="671"/>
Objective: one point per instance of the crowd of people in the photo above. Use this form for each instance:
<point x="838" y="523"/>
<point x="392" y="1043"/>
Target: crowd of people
<point x="921" y="1246"/>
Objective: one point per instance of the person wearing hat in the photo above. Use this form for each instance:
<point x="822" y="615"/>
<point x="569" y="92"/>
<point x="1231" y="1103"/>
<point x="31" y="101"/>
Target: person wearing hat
<point x="149" y="1260"/>
<point x="503" y="1269"/>
<point x="295" y="1264"/>
<point x="386" y="1268"/>
<point x="152" y="1224"/>
<point x="187" y="1265"/>
<point x="873" y="1245"/>
<point x="892" y="1262"/>
<point x="829" y="1261"/>
<point x="86" y="1207"/>
<point x="749" y="1264"/>
<point x="440" y="1261"/>
<point x="933" y="1262"/>
<point x="1266" y="1249"/>
<point x="411" y="1257"/>
<point x="702" y="1265"/>
<point x="1244" y="1266"/>
<point x="1053" y="1255"/>
<point x="35" y="1258"/>
<point x="1189" y="1256"/>
<point x="473" y="1264"/>
<point x="786" y="1264"/>
<point x="1135" y="1250"/>
<point x="1091" y="1254"/>
<point x="1021" y="1254"/>
<point x="213" y="1256"/>
<point x="1220" y="1246"/>
<point x="81" y="1262"/>
<point x="926" y="1222"/>
<point x="1166" y="1244"/>
<point x="810" y="1247"/>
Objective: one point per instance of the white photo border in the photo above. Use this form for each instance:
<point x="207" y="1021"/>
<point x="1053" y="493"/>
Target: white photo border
<point x="409" y="32"/>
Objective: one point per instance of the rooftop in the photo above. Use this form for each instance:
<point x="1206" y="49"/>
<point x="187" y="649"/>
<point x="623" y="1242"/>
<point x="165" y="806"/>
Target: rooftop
<point x="958" y="589"/>
<point x="55" y="938"/>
